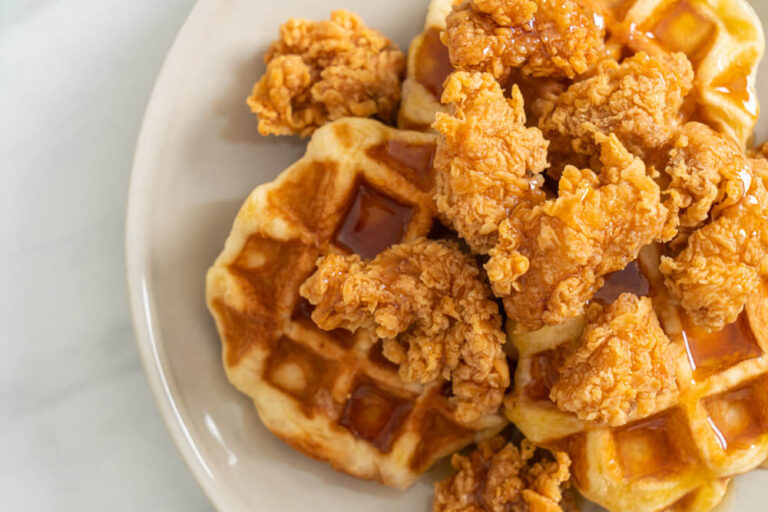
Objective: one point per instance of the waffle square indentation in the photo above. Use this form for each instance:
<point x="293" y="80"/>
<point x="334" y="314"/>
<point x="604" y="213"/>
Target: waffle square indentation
<point x="373" y="222"/>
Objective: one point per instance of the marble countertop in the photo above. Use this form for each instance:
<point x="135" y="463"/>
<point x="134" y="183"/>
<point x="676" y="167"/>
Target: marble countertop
<point x="79" y="429"/>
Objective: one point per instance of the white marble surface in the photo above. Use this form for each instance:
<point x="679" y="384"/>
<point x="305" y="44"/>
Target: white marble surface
<point x="78" y="427"/>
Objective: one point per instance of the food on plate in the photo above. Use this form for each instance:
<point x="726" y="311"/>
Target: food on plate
<point x="552" y="257"/>
<point x="622" y="363"/>
<point x="566" y="236"/>
<point x="499" y="476"/>
<point x="487" y="161"/>
<point x="723" y="94"/>
<point x="322" y="71"/>
<point x="360" y="188"/>
<point x="638" y="101"/>
<point x="554" y="38"/>
<point x="681" y="447"/>
<point x="435" y="317"/>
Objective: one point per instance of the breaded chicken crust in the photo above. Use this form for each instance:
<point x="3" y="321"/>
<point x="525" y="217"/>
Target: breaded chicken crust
<point x="722" y="262"/>
<point x="426" y="300"/>
<point x="638" y="100"/>
<point x="486" y="161"/>
<point x="322" y="71"/>
<point x="706" y="169"/>
<point x="551" y="258"/>
<point x="622" y="364"/>
<point x="543" y="38"/>
<point x="500" y="477"/>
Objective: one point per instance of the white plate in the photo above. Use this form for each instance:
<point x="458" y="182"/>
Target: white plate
<point x="198" y="157"/>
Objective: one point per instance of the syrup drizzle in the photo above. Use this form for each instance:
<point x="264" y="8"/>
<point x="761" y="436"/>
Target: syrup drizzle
<point x="373" y="222"/>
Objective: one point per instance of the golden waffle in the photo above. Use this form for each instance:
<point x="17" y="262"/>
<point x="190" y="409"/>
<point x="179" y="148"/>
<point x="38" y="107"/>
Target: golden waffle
<point x="680" y="455"/>
<point x="360" y="187"/>
<point x="722" y="38"/>
<point x="428" y="66"/>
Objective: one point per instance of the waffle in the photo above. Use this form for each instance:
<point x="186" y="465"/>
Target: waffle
<point x="428" y="66"/>
<point x="722" y="38"/>
<point x="360" y="187"/>
<point x="681" y="454"/>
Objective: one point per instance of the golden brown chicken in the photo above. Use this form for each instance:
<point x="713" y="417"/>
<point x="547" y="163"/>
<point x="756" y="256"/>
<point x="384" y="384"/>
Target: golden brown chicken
<point x="321" y="71"/>
<point x="638" y="100"/>
<point x="553" y="38"/>
<point x="425" y="299"/>
<point x="500" y="477"/>
<point x="622" y="364"/>
<point x="487" y="161"/>
<point x="551" y="258"/>
<point x="723" y="261"/>
<point x="706" y="169"/>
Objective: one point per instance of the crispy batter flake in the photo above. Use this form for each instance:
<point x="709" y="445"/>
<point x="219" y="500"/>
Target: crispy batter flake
<point x="638" y="100"/>
<point x="723" y="261"/>
<point x="706" y="169"/>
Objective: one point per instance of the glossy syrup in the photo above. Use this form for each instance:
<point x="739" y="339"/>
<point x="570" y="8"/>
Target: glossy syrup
<point x="413" y="161"/>
<point x="630" y="279"/>
<point x="738" y="417"/>
<point x="544" y="372"/>
<point x="682" y="28"/>
<point x="374" y="415"/>
<point x="712" y="352"/>
<point x="373" y="222"/>
<point x="655" y="446"/>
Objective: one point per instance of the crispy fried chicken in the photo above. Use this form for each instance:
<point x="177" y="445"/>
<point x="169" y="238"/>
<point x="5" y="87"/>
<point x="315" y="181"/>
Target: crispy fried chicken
<point x="706" y="169"/>
<point x="553" y="38"/>
<point x="622" y="364"/>
<point x="638" y="100"/>
<point x="487" y="161"/>
<point x="723" y="261"/>
<point x="425" y="299"/>
<point x="551" y="258"/>
<point x="500" y="477"/>
<point x="321" y="71"/>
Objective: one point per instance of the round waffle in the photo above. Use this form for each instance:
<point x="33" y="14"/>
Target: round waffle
<point x="722" y="38"/>
<point x="360" y="187"/>
<point x="681" y="454"/>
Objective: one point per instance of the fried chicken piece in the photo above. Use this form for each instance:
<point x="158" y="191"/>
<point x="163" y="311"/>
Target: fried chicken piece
<point x="553" y="38"/>
<point x="706" y="169"/>
<point x="551" y="258"/>
<point x="499" y="477"/>
<point x="487" y="160"/>
<point x="723" y="261"/>
<point x="623" y="364"/>
<point x="321" y="71"/>
<point x="638" y="100"/>
<point x="425" y="299"/>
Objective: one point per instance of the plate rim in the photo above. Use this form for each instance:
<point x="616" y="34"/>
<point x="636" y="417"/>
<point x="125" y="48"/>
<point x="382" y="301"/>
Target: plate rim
<point x="153" y="360"/>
